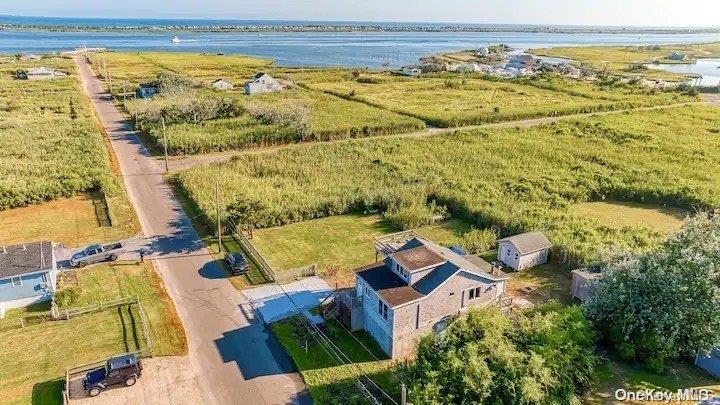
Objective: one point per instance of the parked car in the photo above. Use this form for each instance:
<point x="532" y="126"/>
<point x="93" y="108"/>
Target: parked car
<point x="237" y="263"/>
<point x="97" y="253"/>
<point x="125" y="369"/>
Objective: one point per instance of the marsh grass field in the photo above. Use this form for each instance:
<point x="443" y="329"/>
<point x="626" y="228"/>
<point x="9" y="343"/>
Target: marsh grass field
<point x="515" y="179"/>
<point x="467" y="100"/>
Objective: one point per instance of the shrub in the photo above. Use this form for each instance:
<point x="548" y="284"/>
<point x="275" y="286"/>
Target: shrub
<point x="294" y="115"/>
<point x="662" y="304"/>
<point x="415" y="215"/>
<point x="543" y="357"/>
<point x="478" y="240"/>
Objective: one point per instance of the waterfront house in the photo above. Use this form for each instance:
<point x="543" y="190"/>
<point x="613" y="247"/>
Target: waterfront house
<point x="677" y="56"/>
<point x="262" y="83"/>
<point x="223" y="84"/>
<point x="28" y="274"/>
<point x="41" y="73"/>
<point x="410" y="71"/>
<point x="482" y="51"/>
<point x="524" y="251"/>
<point x="416" y="290"/>
<point x="521" y="61"/>
<point x="30" y="56"/>
<point x="146" y="90"/>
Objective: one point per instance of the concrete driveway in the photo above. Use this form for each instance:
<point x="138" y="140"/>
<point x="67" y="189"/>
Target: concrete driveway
<point x="273" y="304"/>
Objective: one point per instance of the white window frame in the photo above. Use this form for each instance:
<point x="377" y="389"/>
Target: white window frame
<point x="474" y="293"/>
<point x="44" y="277"/>
<point x="16" y="281"/>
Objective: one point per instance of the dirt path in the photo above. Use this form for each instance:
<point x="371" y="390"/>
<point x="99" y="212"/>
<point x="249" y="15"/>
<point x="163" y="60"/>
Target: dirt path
<point x="232" y="358"/>
<point x="186" y="162"/>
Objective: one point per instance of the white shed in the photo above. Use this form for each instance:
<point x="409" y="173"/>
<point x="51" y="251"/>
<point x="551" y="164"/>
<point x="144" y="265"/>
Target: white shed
<point x="410" y="71"/>
<point x="223" y="84"/>
<point x="524" y="251"/>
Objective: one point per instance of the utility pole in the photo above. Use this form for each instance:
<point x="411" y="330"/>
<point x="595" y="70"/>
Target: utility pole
<point x="217" y="207"/>
<point x="162" y="119"/>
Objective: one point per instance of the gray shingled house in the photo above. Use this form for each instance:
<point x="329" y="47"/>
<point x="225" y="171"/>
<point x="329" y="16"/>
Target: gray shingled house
<point x="262" y="83"/>
<point x="28" y="274"/>
<point x="524" y="251"/>
<point x="416" y="289"/>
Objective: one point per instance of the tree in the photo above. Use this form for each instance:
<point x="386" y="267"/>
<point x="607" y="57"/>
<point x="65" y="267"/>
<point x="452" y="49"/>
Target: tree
<point x="543" y="356"/>
<point x="662" y="304"/>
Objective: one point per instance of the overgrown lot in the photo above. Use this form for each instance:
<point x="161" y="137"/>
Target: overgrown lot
<point x="515" y="179"/>
<point x="50" y="142"/>
<point x="290" y="116"/>
<point x="457" y="100"/>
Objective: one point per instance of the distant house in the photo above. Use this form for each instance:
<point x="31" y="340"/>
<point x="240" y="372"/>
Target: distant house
<point x="262" y="83"/>
<point x="146" y="90"/>
<point x="709" y="362"/>
<point x="41" y="73"/>
<point x="584" y="282"/>
<point x="521" y="61"/>
<point x="483" y="51"/>
<point x="677" y="56"/>
<point x="415" y="291"/>
<point x="524" y="251"/>
<point x="28" y="274"/>
<point x="223" y="84"/>
<point x="410" y="71"/>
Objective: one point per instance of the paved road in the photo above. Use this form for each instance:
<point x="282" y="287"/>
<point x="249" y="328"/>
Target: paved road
<point x="182" y="163"/>
<point x="231" y="353"/>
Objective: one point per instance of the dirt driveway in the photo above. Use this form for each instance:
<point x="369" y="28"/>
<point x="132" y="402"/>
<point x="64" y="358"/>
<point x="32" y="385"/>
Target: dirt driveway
<point x="165" y="380"/>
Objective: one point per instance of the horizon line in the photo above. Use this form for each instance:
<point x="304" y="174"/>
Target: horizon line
<point x="277" y="20"/>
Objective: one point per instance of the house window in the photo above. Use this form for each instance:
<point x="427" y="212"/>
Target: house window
<point x="517" y="256"/>
<point x="16" y="281"/>
<point x="474" y="293"/>
<point x="382" y="309"/>
<point x="44" y="278"/>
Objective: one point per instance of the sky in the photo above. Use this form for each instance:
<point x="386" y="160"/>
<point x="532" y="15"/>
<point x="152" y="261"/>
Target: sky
<point x="546" y="12"/>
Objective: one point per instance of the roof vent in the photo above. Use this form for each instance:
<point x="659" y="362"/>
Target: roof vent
<point x="4" y="250"/>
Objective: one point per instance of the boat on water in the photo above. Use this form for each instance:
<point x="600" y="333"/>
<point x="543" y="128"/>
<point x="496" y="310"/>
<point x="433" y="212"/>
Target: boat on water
<point x="175" y="39"/>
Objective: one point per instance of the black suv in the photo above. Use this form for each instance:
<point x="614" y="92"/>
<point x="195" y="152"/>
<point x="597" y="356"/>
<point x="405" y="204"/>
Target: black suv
<point x="125" y="369"/>
<point x="237" y="263"/>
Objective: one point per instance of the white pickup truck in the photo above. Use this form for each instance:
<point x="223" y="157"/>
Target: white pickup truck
<point x="97" y="253"/>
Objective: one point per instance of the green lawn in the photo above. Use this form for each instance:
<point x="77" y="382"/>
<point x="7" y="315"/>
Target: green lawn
<point x="339" y="243"/>
<point x="39" y="354"/>
<point x="328" y="380"/>
<point x="547" y="281"/>
<point x="619" y="214"/>
<point x="613" y="374"/>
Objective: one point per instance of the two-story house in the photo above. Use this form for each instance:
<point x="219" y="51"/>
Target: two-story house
<point x="28" y="274"/>
<point x="416" y="289"/>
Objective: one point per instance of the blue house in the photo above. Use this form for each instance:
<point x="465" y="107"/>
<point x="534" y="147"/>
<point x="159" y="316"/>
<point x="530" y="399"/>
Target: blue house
<point x="28" y="274"/>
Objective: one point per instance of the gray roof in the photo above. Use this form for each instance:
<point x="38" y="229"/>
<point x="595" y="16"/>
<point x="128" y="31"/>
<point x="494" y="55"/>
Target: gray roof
<point x="389" y="286"/>
<point x="435" y="278"/>
<point x="24" y="259"/>
<point x="528" y="242"/>
<point x="416" y="258"/>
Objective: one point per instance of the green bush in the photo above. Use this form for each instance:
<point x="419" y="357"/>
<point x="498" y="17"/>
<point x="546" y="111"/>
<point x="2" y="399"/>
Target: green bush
<point x="479" y="240"/>
<point x="415" y="215"/>
<point x="543" y="357"/>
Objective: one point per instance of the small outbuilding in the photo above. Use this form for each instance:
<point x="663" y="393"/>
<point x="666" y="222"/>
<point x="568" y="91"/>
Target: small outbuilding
<point x="584" y="283"/>
<point x="147" y="90"/>
<point x="709" y="362"/>
<point x="28" y="274"/>
<point x="410" y="71"/>
<point x="677" y="56"/>
<point x="222" y="84"/>
<point x="262" y="83"/>
<point x="524" y="251"/>
<point x="41" y="73"/>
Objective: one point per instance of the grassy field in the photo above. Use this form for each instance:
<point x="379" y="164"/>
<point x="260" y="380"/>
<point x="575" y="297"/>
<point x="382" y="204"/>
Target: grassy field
<point x="36" y="360"/>
<point x="51" y="145"/>
<point x="456" y="101"/>
<point x="619" y="215"/>
<point x="327" y="380"/>
<point x="516" y="179"/>
<point x="132" y="68"/>
<point x="339" y="243"/>
<point x="619" y="59"/>
<point x="74" y="221"/>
